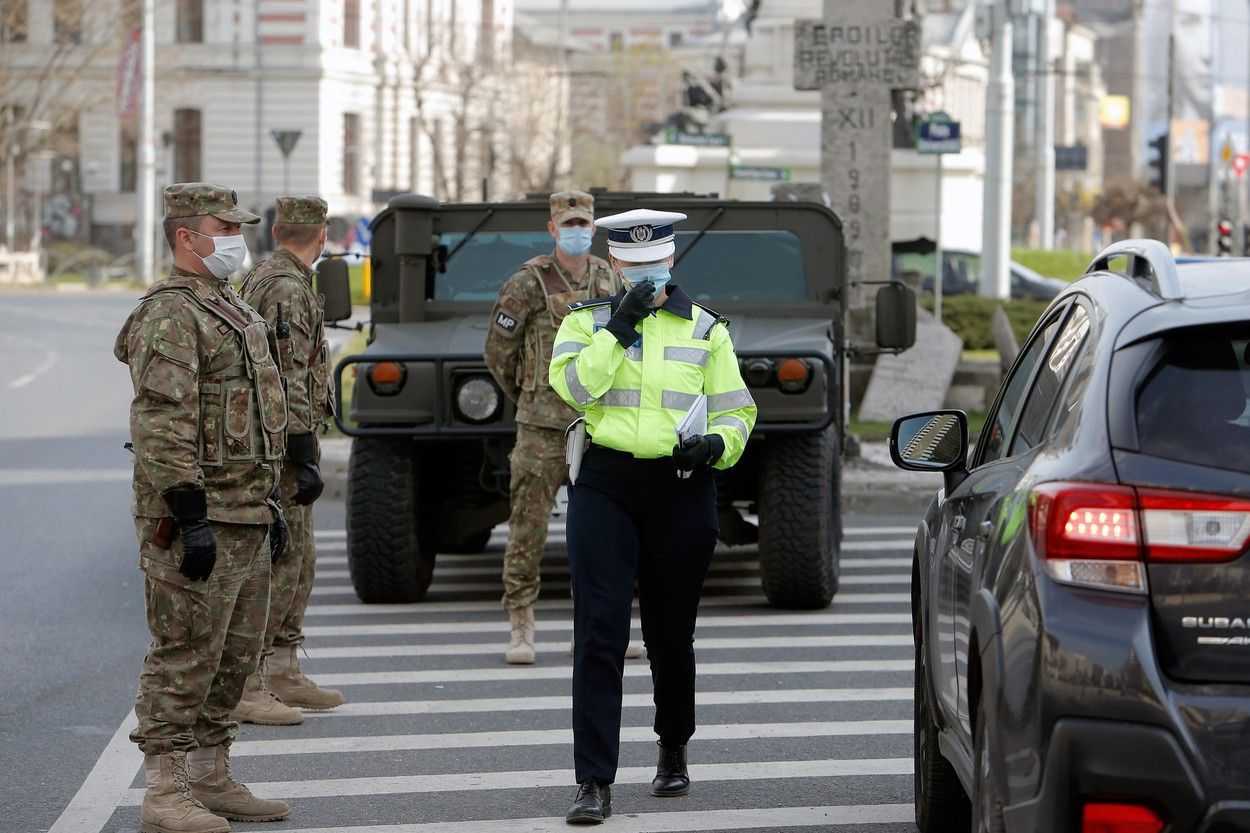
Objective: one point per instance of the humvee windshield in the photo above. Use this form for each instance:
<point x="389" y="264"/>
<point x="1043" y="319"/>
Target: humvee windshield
<point x="725" y="265"/>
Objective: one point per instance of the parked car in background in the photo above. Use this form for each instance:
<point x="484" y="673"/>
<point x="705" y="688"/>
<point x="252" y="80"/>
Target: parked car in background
<point x="1080" y="583"/>
<point x="961" y="274"/>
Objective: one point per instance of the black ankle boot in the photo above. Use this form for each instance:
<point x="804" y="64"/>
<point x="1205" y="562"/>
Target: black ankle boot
<point x="593" y="804"/>
<point x="671" y="776"/>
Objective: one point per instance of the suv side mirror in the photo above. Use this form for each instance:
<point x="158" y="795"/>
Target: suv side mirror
<point x="935" y="441"/>
<point x="335" y="288"/>
<point x="896" y="316"/>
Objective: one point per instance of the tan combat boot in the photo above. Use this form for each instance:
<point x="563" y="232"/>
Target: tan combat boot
<point x="168" y="806"/>
<point x="214" y="787"/>
<point x="260" y="705"/>
<point x="521" y="646"/>
<point x="294" y="689"/>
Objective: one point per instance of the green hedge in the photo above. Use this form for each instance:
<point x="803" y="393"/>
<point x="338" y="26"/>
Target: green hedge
<point x="1053" y="263"/>
<point x="969" y="317"/>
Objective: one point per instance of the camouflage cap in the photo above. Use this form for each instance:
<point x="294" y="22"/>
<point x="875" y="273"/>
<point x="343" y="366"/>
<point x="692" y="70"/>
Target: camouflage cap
<point x="200" y="199"/>
<point x="310" y="210"/>
<point x="566" y="204"/>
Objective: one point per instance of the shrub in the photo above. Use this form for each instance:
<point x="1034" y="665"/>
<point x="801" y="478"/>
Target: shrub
<point x="969" y="317"/>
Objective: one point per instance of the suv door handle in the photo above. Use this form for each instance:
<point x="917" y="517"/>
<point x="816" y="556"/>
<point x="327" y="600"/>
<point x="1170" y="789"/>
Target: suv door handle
<point x="958" y="523"/>
<point x="985" y="530"/>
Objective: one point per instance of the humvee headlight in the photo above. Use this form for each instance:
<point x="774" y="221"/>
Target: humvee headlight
<point x="758" y="373"/>
<point x="478" y="399"/>
<point x="387" y="378"/>
<point x="793" y="375"/>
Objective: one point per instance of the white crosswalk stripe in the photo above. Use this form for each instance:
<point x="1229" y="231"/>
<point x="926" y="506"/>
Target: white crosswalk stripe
<point x="818" y="703"/>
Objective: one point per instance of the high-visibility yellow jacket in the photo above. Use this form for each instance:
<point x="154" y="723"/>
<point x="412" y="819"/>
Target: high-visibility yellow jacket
<point x="634" y="398"/>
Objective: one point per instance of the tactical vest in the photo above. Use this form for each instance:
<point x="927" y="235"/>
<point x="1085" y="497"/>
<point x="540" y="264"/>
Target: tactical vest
<point x="540" y="335"/>
<point x="242" y="403"/>
<point x="320" y="392"/>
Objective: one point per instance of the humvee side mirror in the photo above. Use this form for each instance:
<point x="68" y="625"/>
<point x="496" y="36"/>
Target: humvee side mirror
<point x="896" y="316"/>
<point x="335" y="287"/>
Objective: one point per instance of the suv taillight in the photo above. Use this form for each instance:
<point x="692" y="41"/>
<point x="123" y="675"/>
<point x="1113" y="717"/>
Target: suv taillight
<point x="1098" y="535"/>
<point x="1119" y="817"/>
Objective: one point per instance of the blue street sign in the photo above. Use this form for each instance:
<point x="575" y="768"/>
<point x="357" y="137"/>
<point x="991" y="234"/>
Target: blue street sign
<point x="937" y="133"/>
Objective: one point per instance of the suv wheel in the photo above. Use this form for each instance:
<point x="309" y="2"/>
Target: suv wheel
<point x="800" y="519"/>
<point x="390" y="552"/>
<point x="987" y="807"/>
<point x="941" y="804"/>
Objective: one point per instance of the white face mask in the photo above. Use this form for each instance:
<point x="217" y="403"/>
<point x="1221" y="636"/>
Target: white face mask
<point x="227" y="257"/>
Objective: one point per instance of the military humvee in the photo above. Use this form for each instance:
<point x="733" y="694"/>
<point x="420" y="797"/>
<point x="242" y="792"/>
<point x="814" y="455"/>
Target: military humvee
<point x="432" y="432"/>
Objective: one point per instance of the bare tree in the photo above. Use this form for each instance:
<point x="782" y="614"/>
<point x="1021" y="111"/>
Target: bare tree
<point x="1125" y="206"/>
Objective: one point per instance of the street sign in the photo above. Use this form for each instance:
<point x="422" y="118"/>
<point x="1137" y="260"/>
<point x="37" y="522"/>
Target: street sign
<point x="286" y="140"/>
<point x="1240" y="162"/>
<point x="760" y="174"/>
<point x="673" y="136"/>
<point x="937" y="133"/>
<point x="1071" y="157"/>
<point x="1226" y="151"/>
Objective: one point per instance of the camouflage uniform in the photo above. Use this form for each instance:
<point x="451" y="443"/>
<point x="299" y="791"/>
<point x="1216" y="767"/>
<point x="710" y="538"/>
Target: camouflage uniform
<point x="283" y="280"/>
<point x="208" y="413"/>
<point x="531" y="305"/>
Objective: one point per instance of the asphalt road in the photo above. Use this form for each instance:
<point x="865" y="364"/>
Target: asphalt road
<point x="805" y="718"/>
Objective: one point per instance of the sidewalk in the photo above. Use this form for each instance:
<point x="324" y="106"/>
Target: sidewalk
<point x="870" y="484"/>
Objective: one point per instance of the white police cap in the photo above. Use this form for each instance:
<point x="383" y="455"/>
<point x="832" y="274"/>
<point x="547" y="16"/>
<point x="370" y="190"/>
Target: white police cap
<point x="641" y="235"/>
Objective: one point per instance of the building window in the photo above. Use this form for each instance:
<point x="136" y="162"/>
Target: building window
<point x="13" y="20"/>
<point x="128" y="160"/>
<point x="67" y="21"/>
<point x="616" y="41"/>
<point x="187" y="145"/>
<point x="190" y="25"/>
<point x="674" y="40"/>
<point x="351" y="153"/>
<point x="351" y="24"/>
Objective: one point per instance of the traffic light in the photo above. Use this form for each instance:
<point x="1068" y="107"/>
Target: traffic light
<point x="1158" y="165"/>
<point x="1224" y="238"/>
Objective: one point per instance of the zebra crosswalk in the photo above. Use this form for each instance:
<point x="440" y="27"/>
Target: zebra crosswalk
<point x="804" y="717"/>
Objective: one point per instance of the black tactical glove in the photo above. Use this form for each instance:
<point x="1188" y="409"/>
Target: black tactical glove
<point x="277" y="530"/>
<point x="189" y="506"/>
<point x="633" y="308"/>
<point x="695" y="452"/>
<point x="302" y="451"/>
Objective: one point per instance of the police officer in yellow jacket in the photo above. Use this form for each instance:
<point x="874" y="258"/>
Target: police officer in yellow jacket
<point x="634" y="365"/>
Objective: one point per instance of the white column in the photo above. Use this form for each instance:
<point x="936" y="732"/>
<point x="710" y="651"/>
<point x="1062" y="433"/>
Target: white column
<point x="1045" y="189"/>
<point x="999" y="106"/>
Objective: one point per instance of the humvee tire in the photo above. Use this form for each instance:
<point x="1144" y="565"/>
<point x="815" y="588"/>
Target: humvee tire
<point x="800" y="519"/>
<point x="390" y="551"/>
<point x="472" y="545"/>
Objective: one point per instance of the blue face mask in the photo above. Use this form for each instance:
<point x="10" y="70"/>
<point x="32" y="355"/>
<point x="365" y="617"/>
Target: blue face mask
<point x="657" y="273"/>
<point x="575" y="240"/>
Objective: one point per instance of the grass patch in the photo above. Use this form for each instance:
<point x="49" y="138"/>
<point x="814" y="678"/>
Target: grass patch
<point x="356" y="277"/>
<point x="1053" y="263"/>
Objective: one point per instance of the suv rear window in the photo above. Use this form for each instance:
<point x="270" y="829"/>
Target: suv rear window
<point x="1192" y="405"/>
<point x="733" y="265"/>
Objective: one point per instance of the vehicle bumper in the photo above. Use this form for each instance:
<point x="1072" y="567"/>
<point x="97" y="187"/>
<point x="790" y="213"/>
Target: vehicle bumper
<point x="1089" y="758"/>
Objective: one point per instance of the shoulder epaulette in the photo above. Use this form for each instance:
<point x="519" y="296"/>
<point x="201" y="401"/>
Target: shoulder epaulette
<point x="593" y="302"/>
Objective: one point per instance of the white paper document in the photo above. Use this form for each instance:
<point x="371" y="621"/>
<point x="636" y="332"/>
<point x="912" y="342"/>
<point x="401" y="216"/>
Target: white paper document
<point x="693" y="424"/>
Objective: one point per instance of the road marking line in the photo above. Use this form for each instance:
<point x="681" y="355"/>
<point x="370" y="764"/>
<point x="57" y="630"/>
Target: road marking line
<point x="454" y="649"/>
<point x="379" y="708"/>
<point x="772" y="818"/>
<point x="530" y="779"/>
<point x="52" y="477"/>
<point x="550" y="605"/>
<point x="106" y="785"/>
<point x="50" y="358"/>
<point x="560" y="736"/>
<point x="492" y="565"/>
<point x="743" y="621"/>
<point x="732" y="583"/>
<point x="849" y="530"/>
<point x="529" y="672"/>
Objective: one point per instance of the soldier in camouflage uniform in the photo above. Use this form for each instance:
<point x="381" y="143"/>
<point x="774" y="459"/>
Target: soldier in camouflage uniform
<point x="524" y="322"/>
<point x="280" y="289"/>
<point x="207" y="427"/>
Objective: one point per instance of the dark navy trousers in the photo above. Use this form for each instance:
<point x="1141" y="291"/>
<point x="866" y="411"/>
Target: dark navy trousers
<point x="634" y="520"/>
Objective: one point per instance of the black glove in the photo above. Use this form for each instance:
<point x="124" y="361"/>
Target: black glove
<point x="189" y="506"/>
<point x="695" y="452"/>
<point x="302" y="451"/>
<point x="277" y="530"/>
<point x="633" y="308"/>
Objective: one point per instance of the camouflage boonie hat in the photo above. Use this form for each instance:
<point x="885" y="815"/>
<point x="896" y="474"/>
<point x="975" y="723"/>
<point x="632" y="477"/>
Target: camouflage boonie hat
<point x="298" y="211"/>
<point x="200" y="199"/>
<point x="566" y="204"/>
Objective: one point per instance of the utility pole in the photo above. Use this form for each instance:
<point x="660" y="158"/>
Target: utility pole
<point x="999" y="113"/>
<point x="145" y="225"/>
<point x="1044" y="192"/>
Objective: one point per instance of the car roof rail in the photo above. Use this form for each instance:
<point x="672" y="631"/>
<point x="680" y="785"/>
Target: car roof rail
<point x="1150" y="264"/>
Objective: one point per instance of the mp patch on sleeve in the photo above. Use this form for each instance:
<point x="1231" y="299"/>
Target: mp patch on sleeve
<point x="505" y="322"/>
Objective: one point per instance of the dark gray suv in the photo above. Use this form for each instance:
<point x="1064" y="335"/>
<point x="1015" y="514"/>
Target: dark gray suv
<point x="1081" y="584"/>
